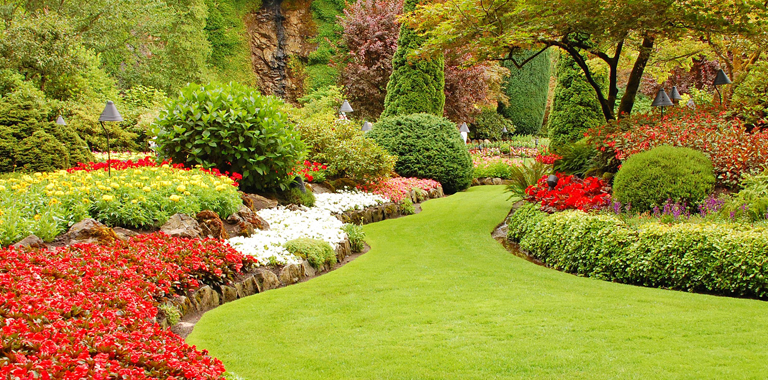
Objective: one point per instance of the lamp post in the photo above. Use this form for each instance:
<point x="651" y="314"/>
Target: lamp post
<point x="60" y="120"/>
<point x="675" y="95"/>
<point x="721" y="79"/>
<point x="464" y="130"/>
<point x="110" y="113"/>
<point x="345" y="107"/>
<point x="367" y="126"/>
<point x="552" y="181"/>
<point x="662" y="100"/>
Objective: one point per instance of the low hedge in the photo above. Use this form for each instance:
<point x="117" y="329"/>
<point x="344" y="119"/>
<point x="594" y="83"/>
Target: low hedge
<point x="706" y="258"/>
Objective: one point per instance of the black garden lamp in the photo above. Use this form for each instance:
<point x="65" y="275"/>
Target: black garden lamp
<point x="110" y="113"/>
<point x="345" y="107"/>
<point x="721" y="79"/>
<point x="60" y="120"/>
<point x="675" y="95"/>
<point x="662" y="100"/>
<point x="367" y="126"/>
<point x="552" y="181"/>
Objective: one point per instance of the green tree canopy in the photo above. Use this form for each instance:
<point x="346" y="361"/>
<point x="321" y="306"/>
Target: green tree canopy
<point x="498" y="29"/>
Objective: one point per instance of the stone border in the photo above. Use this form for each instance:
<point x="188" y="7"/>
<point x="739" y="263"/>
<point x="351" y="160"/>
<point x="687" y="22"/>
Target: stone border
<point x="490" y="181"/>
<point x="194" y="303"/>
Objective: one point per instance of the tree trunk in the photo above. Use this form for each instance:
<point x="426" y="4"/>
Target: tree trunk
<point x="604" y="104"/>
<point x="633" y="84"/>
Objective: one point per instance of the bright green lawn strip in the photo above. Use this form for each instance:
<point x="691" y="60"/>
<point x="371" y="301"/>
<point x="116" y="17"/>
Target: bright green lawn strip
<point x="438" y="298"/>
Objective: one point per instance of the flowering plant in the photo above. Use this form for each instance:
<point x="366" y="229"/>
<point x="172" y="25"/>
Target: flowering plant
<point x="46" y="204"/>
<point x="570" y="193"/>
<point x="493" y="166"/>
<point x="346" y="200"/>
<point x="397" y="188"/>
<point x="548" y="159"/>
<point x="86" y="311"/>
<point x="310" y="171"/>
<point x="734" y="151"/>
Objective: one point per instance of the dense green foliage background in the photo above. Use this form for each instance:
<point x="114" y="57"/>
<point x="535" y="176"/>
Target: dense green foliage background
<point x="527" y="89"/>
<point x="574" y="108"/>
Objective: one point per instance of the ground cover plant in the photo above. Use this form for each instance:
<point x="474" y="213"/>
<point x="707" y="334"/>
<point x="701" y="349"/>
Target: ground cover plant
<point x="141" y="194"/>
<point x="437" y="297"/>
<point x="570" y="192"/>
<point x="493" y="167"/>
<point x="86" y="311"/>
<point x="397" y="188"/>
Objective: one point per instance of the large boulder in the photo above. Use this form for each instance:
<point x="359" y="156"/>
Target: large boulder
<point x="256" y="202"/>
<point x="266" y="280"/>
<point x="30" y="241"/>
<point x="181" y="225"/>
<point x="90" y="231"/>
<point x="247" y="221"/>
<point x="290" y="274"/>
<point x="211" y="225"/>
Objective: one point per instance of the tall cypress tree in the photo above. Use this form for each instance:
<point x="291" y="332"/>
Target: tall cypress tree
<point x="575" y="108"/>
<point x="527" y="89"/>
<point x="415" y="86"/>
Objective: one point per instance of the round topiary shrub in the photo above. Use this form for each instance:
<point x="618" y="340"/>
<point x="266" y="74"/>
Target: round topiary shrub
<point x="649" y="178"/>
<point x="427" y="146"/>
<point x="233" y="128"/>
<point x="490" y="124"/>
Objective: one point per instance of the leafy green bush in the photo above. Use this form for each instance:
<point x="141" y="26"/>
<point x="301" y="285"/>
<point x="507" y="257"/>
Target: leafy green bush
<point x="751" y="202"/>
<point x="527" y="89"/>
<point x="427" y="146"/>
<point x="489" y="124"/>
<point x="407" y="207"/>
<point x="708" y="258"/>
<point x="317" y="252"/>
<point x="574" y="108"/>
<point x="339" y="144"/>
<point x="297" y="197"/>
<point x="356" y="236"/>
<point x="233" y="128"/>
<point x="649" y="178"/>
<point x="577" y="158"/>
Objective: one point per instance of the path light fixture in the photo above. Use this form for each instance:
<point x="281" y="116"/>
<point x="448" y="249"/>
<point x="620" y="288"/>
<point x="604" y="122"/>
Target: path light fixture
<point x="675" y="95"/>
<point x="464" y="130"/>
<point x="60" y="120"/>
<point x="662" y="100"/>
<point x="504" y="131"/>
<point x="345" y="107"/>
<point x="721" y="79"/>
<point x="110" y="113"/>
<point x="552" y="181"/>
<point x="367" y="126"/>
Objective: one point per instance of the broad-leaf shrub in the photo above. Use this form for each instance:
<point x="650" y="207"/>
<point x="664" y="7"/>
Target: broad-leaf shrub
<point x="339" y="144"/>
<point x="751" y="202"/>
<point x="709" y="258"/>
<point x="732" y="150"/>
<point x="649" y="178"/>
<point x="489" y="124"/>
<point x="570" y="192"/>
<point x="46" y="204"/>
<point x="427" y="146"/>
<point x="86" y="311"/>
<point x="233" y="128"/>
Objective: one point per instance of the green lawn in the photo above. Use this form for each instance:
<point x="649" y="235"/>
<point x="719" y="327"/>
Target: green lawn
<point x="438" y="298"/>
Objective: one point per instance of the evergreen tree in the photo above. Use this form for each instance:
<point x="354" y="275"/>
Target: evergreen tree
<point x="415" y="86"/>
<point x="575" y="108"/>
<point x="527" y="89"/>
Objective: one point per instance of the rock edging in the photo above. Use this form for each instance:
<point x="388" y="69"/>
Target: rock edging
<point x="387" y="210"/>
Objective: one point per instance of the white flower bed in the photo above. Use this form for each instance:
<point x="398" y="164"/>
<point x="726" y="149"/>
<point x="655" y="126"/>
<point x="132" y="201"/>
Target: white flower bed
<point x="347" y="200"/>
<point x="286" y="225"/>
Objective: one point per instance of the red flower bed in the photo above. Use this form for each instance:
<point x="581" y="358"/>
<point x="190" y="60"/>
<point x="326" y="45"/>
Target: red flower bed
<point x="733" y="151"/>
<point x="307" y="168"/>
<point x="548" y="159"/>
<point x="86" y="311"/>
<point x="146" y="162"/>
<point x="398" y="187"/>
<point x="570" y="193"/>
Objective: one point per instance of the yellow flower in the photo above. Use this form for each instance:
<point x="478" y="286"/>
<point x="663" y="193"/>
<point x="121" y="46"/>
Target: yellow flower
<point x="1" y="213"/>
<point x="175" y="198"/>
<point x="86" y="200"/>
<point x="53" y="201"/>
<point x="187" y="193"/>
<point x="114" y="185"/>
<point x="37" y="217"/>
<point x="107" y="198"/>
<point x="58" y="193"/>
<point x="181" y="188"/>
<point x="50" y="186"/>
<point x="147" y="189"/>
<point x="134" y="201"/>
<point x="220" y="187"/>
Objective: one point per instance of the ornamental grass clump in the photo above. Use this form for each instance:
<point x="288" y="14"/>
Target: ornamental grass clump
<point x="650" y="178"/>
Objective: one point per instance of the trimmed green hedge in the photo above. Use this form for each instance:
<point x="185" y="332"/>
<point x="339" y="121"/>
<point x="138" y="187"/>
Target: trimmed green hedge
<point x="706" y="258"/>
<point x="575" y="108"/>
<point x="527" y="89"/>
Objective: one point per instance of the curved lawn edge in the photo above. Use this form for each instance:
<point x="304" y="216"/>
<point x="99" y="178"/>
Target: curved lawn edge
<point x="437" y="297"/>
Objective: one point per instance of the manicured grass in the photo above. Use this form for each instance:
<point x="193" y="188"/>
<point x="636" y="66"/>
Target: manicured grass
<point x="438" y="298"/>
